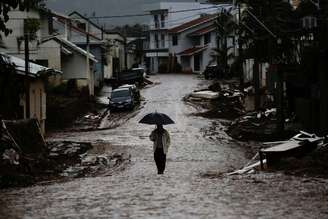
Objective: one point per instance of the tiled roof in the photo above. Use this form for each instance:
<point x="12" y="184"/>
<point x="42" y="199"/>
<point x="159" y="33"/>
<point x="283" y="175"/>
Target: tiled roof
<point x="69" y="45"/>
<point x="192" y="23"/>
<point x="203" y="31"/>
<point x="192" y="51"/>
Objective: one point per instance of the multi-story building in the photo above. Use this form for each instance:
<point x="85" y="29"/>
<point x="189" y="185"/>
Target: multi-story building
<point x="165" y="16"/>
<point x="192" y="44"/>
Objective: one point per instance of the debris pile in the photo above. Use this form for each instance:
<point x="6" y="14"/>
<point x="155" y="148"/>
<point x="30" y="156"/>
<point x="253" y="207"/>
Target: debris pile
<point x="90" y="121"/>
<point x="95" y="165"/>
<point x="280" y="155"/>
<point x="221" y="99"/>
<point x="25" y="157"/>
<point x="22" y="148"/>
<point x="67" y="149"/>
<point x="256" y="125"/>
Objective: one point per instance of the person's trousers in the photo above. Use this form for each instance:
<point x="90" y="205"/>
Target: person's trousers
<point x="160" y="160"/>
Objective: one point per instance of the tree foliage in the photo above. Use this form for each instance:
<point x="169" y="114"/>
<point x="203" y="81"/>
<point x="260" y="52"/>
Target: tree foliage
<point x="8" y="5"/>
<point x="136" y="30"/>
<point x="10" y="89"/>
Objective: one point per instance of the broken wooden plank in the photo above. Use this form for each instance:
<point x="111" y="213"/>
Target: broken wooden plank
<point x="283" y="147"/>
<point x="288" y="149"/>
<point x="28" y="135"/>
<point x="250" y="168"/>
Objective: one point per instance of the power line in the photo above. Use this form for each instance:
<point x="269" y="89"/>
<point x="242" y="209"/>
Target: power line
<point x="149" y="14"/>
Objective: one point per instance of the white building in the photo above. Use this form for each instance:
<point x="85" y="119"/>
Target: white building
<point x="71" y="59"/>
<point x="37" y="22"/>
<point x="165" y="16"/>
<point x="116" y="55"/>
<point x="193" y="43"/>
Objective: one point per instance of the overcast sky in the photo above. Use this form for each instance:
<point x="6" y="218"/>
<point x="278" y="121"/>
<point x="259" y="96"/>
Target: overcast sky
<point x="106" y="7"/>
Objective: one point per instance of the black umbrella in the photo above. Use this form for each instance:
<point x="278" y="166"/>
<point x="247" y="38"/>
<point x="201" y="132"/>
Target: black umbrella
<point x="156" y="118"/>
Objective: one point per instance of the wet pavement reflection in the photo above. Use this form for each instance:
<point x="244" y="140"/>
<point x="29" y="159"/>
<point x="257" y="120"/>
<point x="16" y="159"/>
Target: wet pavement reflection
<point x="182" y="192"/>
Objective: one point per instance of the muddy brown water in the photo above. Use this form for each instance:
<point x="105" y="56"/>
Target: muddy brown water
<point x="183" y="191"/>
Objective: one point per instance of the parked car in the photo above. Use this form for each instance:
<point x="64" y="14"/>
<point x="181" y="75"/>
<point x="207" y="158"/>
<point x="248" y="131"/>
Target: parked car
<point x="135" y="75"/>
<point x="141" y="70"/>
<point x="213" y="71"/>
<point x="121" y="98"/>
<point x="134" y="89"/>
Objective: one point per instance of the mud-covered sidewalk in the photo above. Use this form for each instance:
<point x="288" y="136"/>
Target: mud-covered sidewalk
<point x="193" y="185"/>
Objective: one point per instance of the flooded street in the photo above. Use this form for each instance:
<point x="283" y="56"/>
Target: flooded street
<point x="183" y="191"/>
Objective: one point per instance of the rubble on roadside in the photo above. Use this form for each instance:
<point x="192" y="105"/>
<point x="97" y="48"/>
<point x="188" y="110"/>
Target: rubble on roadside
<point x="258" y="126"/>
<point x="205" y="94"/>
<point x="94" y="165"/>
<point x="90" y="121"/>
<point x="297" y="155"/>
<point x="25" y="158"/>
<point x="221" y="100"/>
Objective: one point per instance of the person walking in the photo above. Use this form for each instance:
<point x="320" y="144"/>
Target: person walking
<point x="161" y="139"/>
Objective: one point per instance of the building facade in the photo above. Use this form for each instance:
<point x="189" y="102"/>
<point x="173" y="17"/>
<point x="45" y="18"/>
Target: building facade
<point x="164" y="17"/>
<point x="193" y="43"/>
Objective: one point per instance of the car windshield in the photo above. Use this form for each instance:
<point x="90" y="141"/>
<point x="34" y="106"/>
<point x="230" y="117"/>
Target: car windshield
<point x="120" y="93"/>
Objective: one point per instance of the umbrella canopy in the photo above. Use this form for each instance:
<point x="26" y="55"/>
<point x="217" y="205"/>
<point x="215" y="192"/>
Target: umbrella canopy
<point x="156" y="118"/>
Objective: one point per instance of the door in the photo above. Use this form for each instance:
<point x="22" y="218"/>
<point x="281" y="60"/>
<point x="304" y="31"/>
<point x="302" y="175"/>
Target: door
<point x="197" y="62"/>
<point x="116" y="66"/>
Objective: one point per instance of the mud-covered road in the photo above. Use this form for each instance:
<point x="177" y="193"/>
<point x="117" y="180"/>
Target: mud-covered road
<point x="183" y="191"/>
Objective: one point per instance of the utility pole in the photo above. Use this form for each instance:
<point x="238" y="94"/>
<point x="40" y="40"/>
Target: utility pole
<point x="256" y="77"/>
<point x="27" y="70"/>
<point x="323" y="77"/>
<point x="218" y="38"/>
<point x="240" y="51"/>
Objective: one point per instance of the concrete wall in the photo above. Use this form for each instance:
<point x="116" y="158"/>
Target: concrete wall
<point x="117" y="50"/>
<point x="210" y="55"/>
<point x="98" y="67"/>
<point x="16" y="23"/>
<point x="248" y="70"/>
<point x="108" y="69"/>
<point x="74" y="67"/>
<point x="50" y="50"/>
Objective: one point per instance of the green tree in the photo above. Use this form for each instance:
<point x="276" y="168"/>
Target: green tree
<point x="7" y="5"/>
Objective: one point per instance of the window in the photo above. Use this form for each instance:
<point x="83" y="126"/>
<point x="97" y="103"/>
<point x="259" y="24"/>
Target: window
<point x="43" y="62"/>
<point x="196" y="41"/>
<point x="82" y="26"/>
<point x="156" y="41"/>
<point x="207" y="38"/>
<point x="162" y="20"/>
<point x="163" y="41"/>
<point x="175" y="40"/>
<point x="156" y="21"/>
